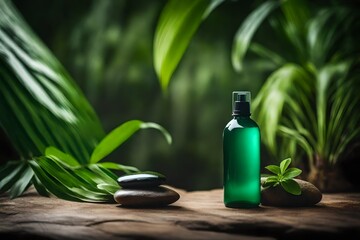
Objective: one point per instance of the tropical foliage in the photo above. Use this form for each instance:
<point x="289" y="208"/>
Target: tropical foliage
<point x="51" y="124"/>
<point x="307" y="106"/>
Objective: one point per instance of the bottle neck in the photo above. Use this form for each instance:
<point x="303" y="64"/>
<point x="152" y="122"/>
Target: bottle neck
<point x="241" y="108"/>
<point x="241" y="115"/>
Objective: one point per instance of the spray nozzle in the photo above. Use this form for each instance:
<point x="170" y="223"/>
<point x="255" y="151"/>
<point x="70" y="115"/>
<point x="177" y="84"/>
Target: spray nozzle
<point x="241" y="103"/>
<point x="241" y="98"/>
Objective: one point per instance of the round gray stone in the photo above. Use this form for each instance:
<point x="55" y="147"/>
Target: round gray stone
<point x="278" y="197"/>
<point x="147" y="197"/>
<point x="141" y="180"/>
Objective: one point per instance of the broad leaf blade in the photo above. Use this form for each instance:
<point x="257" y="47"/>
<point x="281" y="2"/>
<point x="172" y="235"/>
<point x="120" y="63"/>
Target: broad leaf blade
<point x="273" y="168"/>
<point x="291" y="173"/>
<point x="119" y="135"/>
<point x="291" y="186"/>
<point x="177" y="24"/>
<point x="284" y="164"/>
<point x="246" y="31"/>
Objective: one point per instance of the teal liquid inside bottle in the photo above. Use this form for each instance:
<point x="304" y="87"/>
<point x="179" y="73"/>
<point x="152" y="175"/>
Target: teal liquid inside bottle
<point x="241" y="153"/>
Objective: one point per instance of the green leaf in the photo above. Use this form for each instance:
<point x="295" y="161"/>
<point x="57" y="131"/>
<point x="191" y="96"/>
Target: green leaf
<point x="15" y="171"/>
<point x="106" y="175"/>
<point x="111" y="189"/>
<point x="264" y="52"/>
<point x="296" y="16"/>
<point x="156" y="126"/>
<point x="22" y="183"/>
<point x="6" y="169"/>
<point x="65" y="183"/>
<point x="272" y="178"/>
<point x="291" y="173"/>
<point x="119" y="135"/>
<point x="246" y="31"/>
<point x="177" y="24"/>
<point x="117" y="166"/>
<point x="284" y="165"/>
<point x="51" y="184"/>
<point x="70" y="179"/>
<point x="271" y="105"/>
<point x="266" y="175"/>
<point x="291" y="186"/>
<point x="273" y="168"/>
<point x="63" y="157"/>
<point x="271" y="181"/>
<point x="40" y="187"/>
<point x="40" y="104"/>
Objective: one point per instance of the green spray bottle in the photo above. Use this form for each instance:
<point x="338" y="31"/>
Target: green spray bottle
<point x="241" y="155"/>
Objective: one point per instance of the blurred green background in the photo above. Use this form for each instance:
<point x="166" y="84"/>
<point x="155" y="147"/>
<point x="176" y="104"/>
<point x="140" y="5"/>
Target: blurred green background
<point x="106" y="46"/>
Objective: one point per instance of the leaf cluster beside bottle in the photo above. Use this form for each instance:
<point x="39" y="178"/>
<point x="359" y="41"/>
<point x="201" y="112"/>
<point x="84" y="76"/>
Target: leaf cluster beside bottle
<point x="60" y="174"/>
<point x="283" y="176"/>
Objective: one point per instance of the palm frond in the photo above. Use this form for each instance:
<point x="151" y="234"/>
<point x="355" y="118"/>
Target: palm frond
<point x="274" y="95"/>
<point x="50" y="122"/>
<point x="39" y="102"/>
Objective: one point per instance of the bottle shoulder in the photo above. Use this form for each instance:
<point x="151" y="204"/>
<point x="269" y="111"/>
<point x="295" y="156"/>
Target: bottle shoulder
<point x="241" y="122"/>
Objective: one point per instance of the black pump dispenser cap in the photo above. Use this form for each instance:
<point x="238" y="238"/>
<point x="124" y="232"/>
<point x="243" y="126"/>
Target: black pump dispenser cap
<point x="241" y="103"/>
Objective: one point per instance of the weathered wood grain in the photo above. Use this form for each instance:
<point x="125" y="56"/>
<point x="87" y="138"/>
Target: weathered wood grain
<point x="197" y="215"/>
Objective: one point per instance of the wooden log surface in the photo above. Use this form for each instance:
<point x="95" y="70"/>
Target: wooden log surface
<point x="196" y="215"/>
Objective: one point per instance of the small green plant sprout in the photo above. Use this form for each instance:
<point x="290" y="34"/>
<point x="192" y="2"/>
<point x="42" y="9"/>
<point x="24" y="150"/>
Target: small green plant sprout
<point x="282" y="175"/>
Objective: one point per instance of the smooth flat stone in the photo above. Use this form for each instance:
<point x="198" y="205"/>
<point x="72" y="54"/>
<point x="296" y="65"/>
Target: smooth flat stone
<point x="278" y="197"/>
<point x="150" y="197"/>
<point x="141" y="180"/>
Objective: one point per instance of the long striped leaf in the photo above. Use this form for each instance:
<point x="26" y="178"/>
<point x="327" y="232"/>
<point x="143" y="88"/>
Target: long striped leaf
<point x="177" y="24"/>
<point x="247" y="30"/>
<point x="69" y="184"/>
<point x="22" y="183"/>
<point x="40" y="104"/>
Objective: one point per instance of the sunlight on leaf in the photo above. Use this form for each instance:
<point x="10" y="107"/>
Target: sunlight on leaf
<point x="65" y="158"/>
<point x="177" y="24"/>
<point x="119" y="135"/>
<point x="274" y="169"/>
<point x="271" y="100"/>
<point x="284" y="165"/>
<point x="291" y="173"/>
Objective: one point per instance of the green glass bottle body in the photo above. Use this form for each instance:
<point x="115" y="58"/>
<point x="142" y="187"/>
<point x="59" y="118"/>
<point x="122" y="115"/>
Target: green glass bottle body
<point x="241" y="153"/>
